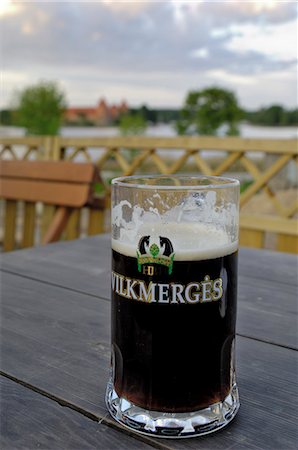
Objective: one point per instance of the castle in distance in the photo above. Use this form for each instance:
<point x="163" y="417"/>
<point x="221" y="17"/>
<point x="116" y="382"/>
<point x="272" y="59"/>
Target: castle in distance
<point x="101" y="114"/>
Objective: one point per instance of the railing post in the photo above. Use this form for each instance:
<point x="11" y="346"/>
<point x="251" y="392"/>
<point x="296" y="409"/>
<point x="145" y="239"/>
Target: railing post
<point x="56" y="151"/>
<point x="47" y="155"/>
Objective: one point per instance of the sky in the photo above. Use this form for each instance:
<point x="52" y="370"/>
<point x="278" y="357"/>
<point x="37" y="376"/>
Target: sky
<point x="151" y="52"/>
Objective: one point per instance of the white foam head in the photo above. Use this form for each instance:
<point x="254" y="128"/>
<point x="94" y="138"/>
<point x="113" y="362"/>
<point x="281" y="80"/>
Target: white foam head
<point x="190" y="241"/>
<point x="199" y="227"/>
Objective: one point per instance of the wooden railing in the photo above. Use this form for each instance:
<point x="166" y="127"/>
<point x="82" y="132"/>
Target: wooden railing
<point x="31" y="147"/>
<point x="259" y="161"/>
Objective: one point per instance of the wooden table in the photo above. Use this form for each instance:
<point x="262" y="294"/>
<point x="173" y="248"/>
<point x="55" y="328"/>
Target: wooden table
<point x="56" y="350"/>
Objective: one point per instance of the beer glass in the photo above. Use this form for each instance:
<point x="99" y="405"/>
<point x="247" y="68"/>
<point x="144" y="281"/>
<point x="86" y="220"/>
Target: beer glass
<point x="174" y="292"/>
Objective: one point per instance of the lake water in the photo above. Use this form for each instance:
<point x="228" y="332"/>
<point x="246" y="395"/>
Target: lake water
<point x="162" y="130"/>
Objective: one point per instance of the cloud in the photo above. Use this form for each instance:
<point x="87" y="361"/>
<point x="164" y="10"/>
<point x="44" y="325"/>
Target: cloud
<point x="146" y="45"/>
<point x="128" y="8"/>
<point x="277" y="42"/>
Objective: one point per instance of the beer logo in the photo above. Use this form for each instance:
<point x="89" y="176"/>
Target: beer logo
<point x="155" y="251"/>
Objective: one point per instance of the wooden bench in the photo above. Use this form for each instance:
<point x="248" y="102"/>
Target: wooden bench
<point x="64" y="187"/>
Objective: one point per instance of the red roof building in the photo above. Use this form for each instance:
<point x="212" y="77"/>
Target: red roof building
<point x="102" y="114"/>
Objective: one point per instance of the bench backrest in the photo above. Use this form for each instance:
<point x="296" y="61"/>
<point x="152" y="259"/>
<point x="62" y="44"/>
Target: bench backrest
<point x="55" y="183"/>
<point x="65" y="185"/>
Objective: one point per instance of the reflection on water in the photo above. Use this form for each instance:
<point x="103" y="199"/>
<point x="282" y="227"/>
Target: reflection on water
<point x="162" y="130"/>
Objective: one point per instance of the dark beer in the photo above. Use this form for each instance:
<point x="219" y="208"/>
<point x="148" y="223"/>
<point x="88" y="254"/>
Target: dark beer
<point x="173" y="327"/>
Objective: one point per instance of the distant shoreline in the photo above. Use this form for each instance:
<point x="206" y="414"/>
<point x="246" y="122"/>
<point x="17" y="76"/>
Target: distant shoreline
<point x="160" y="130"/>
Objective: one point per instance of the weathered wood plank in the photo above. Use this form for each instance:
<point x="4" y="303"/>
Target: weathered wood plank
<point x="268" y="265"/>
<point x="72" y="229"/>
<point x="230" y="144"/>
<point x="58" y="224"/>
<point x="227" y="163"/>
<point x="264" y="178"/>
<point x="65" y="172"/>
<point x="267" y="311"/>
<point x="202" y="164"/>
<point x="61" y="184"/>
<point x="29" y="225"/>
<point x="187" y="142"/>
<point x="33" y="141"/>
<point x="251" y="168"/>
<point x="30" y="420"/>
<point x="251" y="238"/>
<point x="9" y="225"/>
<point x="96" y="221"/>
<point x="70" y="194"/>
<point x="286" y="243"/>
<point x="161" y="166"/>
<point x="267" y="282"/>
<point x="267" y="223"/>
<point x="93" y="256"/>
<point x="61" y="342"/>
<point x="47" y="217"/>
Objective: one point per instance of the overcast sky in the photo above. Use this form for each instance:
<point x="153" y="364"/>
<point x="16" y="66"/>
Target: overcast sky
<point x="152" y="52"/>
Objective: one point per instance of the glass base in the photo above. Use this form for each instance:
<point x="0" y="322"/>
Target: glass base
<point x="173" y="425"/>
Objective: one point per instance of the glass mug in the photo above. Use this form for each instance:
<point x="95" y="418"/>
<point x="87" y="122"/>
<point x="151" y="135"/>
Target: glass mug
<point x="174" y="294"/>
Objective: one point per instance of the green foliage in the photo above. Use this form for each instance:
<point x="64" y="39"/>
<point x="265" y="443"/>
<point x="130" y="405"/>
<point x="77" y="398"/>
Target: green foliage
<point x="167" y="115"/>
<point x="7" y="117"/>
<point x="206" y="111"/>
<point x="274" y="115"/>
<point x="81" y="122"/>
<point x="245" y="185"/>
<point x="98" y="188"/>
<point x="132" y="124"/>
<point x="148" y="114"/>
<point x="40" y="108"/>
<point x="157" y="115"/>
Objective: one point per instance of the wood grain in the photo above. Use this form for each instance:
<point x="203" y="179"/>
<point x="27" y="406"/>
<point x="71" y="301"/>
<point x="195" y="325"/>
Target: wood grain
<point x="60" y="340"/>
<point x="95" y="252"/>
<point x="230" y="144"/>
<point x="286" y="243"/>
<point x="273" y="224"/>
<point x="251" y="238"/>
<point x="57" y="225"/>
<point x="55" y="184"/>
<point x="268" y="265"/>
<point x="267" y="282"/>
<point x="9" y="225"/>
<point x="52" y="193"/>
<point x="47" y="217"/>
<point x="96" y="222"/>
<point x="28" y="225"/>
<point x="72" y="229"/>
<point x="30" y="420"/>
<point x="63" y="171"/>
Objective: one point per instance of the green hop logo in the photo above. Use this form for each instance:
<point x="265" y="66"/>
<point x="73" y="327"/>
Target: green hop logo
<point x="154" y="250"/>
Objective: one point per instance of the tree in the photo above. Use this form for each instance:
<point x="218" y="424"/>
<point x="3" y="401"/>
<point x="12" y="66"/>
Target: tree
<point x="6" y="117"/>
<point x="40" y="108"/>
<point x="292" y="117"/>
<point x="148" y="114"/>
<point x="132" y="124"/>
<point x="205" y="111"/>
<point x="276" y="115"/>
